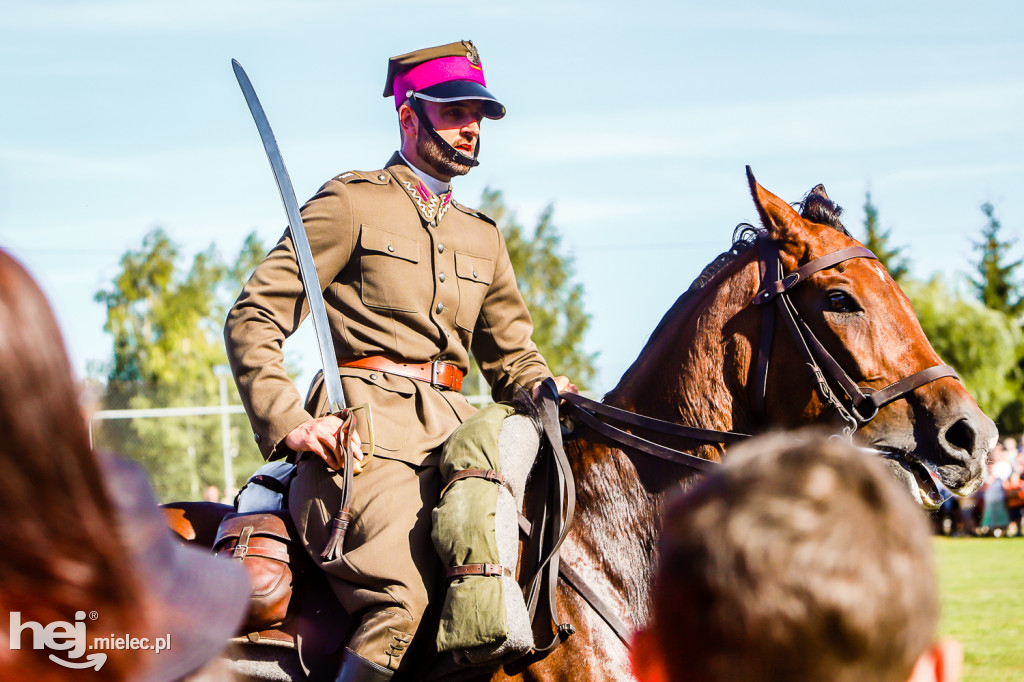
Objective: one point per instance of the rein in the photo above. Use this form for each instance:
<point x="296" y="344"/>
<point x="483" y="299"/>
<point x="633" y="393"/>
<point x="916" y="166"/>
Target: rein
<point x="590" y="412"/>
<point x="861" y="404"/>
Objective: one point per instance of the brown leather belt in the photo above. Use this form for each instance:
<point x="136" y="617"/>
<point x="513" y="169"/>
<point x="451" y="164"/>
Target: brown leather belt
<point x="440" y="374"/>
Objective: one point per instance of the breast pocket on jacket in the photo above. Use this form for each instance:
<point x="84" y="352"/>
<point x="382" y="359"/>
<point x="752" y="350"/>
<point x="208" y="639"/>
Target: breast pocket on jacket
<point x="388" y="269"/>
<point x="474" y="274"/>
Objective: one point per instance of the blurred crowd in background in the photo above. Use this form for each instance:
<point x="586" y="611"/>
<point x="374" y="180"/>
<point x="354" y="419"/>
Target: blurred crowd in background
<point x="994" y="510"/>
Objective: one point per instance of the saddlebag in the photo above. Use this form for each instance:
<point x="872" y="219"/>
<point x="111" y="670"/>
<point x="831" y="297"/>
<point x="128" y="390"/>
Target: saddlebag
<point x="297" y="628"/>
<point x="484" y="465"/>
<point x="263" y="542"/>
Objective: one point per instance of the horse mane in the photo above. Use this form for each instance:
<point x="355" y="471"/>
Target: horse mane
<point x="815" y="206"/>
<point x="818" y="208"/>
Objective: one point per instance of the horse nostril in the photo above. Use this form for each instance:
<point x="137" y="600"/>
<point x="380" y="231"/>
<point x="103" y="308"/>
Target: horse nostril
<point x="961" y="435"/>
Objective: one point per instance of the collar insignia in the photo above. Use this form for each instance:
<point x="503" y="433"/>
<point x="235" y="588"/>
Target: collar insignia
<point x="430" y="206"/>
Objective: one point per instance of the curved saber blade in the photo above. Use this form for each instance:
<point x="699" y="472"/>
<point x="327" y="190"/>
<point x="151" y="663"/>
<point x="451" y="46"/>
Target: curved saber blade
<point x="307" y="269"/>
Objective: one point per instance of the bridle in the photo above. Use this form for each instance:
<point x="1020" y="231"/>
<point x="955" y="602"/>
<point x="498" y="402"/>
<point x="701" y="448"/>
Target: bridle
<point x="859" y="404"/>
<point x="855" y="405"/>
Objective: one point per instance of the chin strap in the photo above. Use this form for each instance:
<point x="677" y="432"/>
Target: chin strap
<point x="449" y="151"/>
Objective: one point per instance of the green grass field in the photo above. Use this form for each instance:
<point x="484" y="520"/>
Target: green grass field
<point x="981" y="581"/>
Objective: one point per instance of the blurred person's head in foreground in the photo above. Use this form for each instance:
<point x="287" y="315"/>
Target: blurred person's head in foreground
<point x="797" y="561"/>
<point x="57" y="555"/>
<point x="83" y="535"/>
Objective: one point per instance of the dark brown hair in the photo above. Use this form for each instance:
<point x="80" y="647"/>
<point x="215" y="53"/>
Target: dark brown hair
<point x="800" y="560"/>
<point x="58" y="550"/>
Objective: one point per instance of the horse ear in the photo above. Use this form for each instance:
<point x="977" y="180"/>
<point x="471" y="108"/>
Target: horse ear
<point x="778" y="217"/>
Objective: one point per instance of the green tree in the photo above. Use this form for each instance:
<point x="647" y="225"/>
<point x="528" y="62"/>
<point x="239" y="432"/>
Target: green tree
<point x="995" y="284"/>
<point x="982" y="344"/>
<point x="545" y="278"/>
<point x="166" y="322"/>
<point x="252" y="254"/>
<point x="877" y="240"/>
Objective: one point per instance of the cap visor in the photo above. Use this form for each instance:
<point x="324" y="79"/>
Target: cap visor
<point x="454" y="91"/>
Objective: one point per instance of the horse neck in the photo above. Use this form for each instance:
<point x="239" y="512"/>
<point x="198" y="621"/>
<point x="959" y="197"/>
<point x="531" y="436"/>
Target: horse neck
<point x="615" y="533"/>
<point x="680" y="376"/>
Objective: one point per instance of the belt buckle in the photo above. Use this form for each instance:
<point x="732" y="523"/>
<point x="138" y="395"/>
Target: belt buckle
<point x="438" y="366"/>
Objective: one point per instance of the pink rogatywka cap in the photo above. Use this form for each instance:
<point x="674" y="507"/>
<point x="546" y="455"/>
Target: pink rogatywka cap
<point x="446" y="73"/>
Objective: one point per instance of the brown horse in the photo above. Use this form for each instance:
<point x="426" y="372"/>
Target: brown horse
<point x="699" y="367"/>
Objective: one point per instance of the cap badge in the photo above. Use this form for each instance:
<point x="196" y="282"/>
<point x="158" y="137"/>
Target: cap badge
<point x="471" y="53"/>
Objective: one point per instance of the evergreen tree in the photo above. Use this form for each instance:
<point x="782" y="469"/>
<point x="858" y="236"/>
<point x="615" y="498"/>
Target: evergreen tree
<point x="877" y="240"/>
<point x="996" y="285"/>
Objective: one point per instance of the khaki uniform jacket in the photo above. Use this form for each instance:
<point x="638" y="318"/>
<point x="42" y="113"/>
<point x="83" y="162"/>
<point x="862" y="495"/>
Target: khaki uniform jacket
<point x="406" y="274"/>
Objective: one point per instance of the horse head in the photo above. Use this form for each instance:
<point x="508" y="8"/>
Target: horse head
<point x="867" y="325"/>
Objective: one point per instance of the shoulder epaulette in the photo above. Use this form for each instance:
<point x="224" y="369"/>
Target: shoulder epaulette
<point x="376" y="177"/>
<point x="475" y="213"/>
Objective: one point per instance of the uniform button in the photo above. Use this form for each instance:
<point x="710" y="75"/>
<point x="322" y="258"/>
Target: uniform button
<point x="475" y="275"/>
<point x="433" y="223"/>
<point x="440" y="247"/>
<point x="380" y="177"/>
<point x="439" y="308"/>
<point x="391" y="248"/>
<point x="441" y="277"/>
<point x="373" y="377"/>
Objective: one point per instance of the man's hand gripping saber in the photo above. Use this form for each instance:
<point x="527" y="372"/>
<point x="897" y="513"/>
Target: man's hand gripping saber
<point x="317" y="310"/>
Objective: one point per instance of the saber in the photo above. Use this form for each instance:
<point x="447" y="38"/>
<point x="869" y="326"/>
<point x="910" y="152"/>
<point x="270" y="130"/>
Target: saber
<point x="317" y="307"/>
<point x="303" y="252"/>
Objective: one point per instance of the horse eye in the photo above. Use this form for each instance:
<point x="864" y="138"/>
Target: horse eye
<point x="841" y="302"/>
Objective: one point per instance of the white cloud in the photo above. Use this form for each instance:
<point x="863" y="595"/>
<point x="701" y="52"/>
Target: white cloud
<point x="34" y="163"/>
<point x="952" y="170"/>
<point x="847" y="123"/>
<point x="113" y="16"/>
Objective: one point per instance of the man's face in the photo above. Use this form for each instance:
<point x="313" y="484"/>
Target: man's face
<point x="458" y="124"/>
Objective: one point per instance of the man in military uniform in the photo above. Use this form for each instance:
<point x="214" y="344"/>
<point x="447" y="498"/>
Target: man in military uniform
<point x="413" y="280"/>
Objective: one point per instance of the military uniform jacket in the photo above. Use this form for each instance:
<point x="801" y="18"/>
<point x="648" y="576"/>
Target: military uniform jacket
<point x="405" y="274"/>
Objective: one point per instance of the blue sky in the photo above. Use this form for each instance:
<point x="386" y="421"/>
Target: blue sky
<point x="634" y="119"/>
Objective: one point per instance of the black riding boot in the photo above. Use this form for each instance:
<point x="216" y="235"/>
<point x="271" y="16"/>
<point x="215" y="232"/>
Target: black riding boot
<point x="355" y="668"/>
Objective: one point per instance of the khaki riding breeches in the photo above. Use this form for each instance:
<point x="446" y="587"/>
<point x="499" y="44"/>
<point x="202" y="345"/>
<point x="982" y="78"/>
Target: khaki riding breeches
<point x="389" y="562"/>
